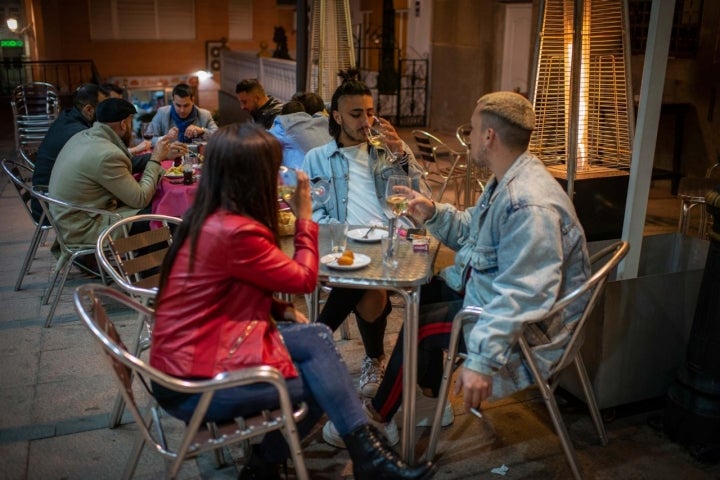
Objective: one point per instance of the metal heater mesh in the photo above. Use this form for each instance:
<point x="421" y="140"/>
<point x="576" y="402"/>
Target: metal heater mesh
<point x="604" y="123"/>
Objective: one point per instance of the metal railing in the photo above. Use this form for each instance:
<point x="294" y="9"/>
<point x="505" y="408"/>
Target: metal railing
<point x="65" y="75"/>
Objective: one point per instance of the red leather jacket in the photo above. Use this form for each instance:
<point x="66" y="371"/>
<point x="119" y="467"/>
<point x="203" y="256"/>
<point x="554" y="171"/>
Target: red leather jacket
<point x="203" y="313"/>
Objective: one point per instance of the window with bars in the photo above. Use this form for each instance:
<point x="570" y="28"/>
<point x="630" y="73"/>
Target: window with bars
<point x="685" y="37"/>
<point x="142" y="19"/>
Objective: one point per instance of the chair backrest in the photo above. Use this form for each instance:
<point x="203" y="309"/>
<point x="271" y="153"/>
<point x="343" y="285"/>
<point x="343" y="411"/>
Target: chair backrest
<point x="133" y="260"/>
<point x="36" y="98"/>
<point x="432" y="149"/>
<point x="41" y="194"/>
<point x="593" y="287"/>
<point x="21" y="177"/>
<point x="463" y="135"/>
<point x="129" y="370"/>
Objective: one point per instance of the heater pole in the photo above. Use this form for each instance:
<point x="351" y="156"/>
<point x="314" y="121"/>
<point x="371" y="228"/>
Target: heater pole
<point x="575" y="85"/>
<point x="643" y="154"/>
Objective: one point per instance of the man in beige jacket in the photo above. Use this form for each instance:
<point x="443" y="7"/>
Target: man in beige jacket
<point x="93" y="169"/>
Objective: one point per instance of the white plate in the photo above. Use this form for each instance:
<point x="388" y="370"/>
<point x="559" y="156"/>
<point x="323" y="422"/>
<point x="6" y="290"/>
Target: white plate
<point x="330" y="261"/>
<point x="173" y="175"/>
<point x="375" y="236"/>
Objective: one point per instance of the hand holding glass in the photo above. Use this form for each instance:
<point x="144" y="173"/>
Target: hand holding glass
<point x="376" y="138"/>
<point x="396" y="201"/>
<point x="287" y="183"/>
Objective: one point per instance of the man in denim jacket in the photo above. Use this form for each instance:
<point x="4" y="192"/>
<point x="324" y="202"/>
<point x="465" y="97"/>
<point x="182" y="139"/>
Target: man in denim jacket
<point x="518" y="251"/>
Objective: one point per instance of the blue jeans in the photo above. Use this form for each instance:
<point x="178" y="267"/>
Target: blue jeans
<point x="324" y="384"/>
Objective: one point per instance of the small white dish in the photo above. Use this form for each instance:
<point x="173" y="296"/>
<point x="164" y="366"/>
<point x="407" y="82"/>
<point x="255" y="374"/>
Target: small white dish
<point x="360" y="261"/>
<point x="173" y="175"/>
<point x="358" y="234"/>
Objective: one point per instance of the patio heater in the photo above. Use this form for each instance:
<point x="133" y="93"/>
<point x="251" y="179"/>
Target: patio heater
<point x="331" y="47"/>
<point x="583" y="105"/>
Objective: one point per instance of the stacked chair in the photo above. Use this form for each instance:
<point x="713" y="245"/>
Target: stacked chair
<point x="35" y="106"/>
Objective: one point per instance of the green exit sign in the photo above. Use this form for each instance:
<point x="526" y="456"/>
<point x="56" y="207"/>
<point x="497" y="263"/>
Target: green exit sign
<point x="11" y="43"/>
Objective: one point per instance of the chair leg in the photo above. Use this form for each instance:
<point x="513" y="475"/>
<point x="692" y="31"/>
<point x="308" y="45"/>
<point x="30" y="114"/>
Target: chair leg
<point x="444" y="388"/>
<point x="137" y="448"/>
<point x="560" y="428"/>
<point x="29" y="256"/>
<point x="59" y="266"/>
<point x="590" y="398"/>
<point x="61" y="286"/>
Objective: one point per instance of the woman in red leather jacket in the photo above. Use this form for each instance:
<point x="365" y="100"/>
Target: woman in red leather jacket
<point x="216" y="311"/>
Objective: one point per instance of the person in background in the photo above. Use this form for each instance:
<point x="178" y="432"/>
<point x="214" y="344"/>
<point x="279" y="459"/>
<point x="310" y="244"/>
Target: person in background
<point x="358" y="173"/>
<point x="518" y="250"/>
<point x="71" y="121"/>
<point x="113" y="91"/>
<point x="191" y="121"/>
<point x="301" y="131"/>
<point x="220" y="275"/>
<point x="252" y="97"/>
<point x="138" y="147"/>
<point x="93" y="169"/>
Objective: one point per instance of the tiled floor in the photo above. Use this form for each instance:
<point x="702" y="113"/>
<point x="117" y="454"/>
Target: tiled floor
<point x="56" y="395"/>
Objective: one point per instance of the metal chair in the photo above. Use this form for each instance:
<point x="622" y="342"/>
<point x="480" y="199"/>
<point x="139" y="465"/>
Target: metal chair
<point x="479" y="175"/>
<point x="129" y="371"/>
<point x="35" y="107"/>
<point x="133" y="261"/>
<point x="592" y="288"/>
<point x="440" y="162"/>
<point x="68" y="252"/>
<point x="691" y="192"/>
<point x="21" y="177"/>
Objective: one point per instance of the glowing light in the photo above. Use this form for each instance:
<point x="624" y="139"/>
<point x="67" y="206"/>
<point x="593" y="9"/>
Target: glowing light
<point x="12" y="24"/>
<point x="203" y="75"/>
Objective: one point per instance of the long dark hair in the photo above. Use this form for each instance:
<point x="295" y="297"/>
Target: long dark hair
<point x="351" y="85"/>
<point x="239" y="175"/>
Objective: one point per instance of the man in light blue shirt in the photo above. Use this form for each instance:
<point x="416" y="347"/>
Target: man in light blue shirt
<point x="300" y="132"/>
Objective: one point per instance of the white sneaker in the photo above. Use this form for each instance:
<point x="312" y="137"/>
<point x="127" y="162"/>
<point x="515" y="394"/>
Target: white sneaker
<point x="425" y="409"/>
<point x="388" y="430"/>
<point x="372" y="372"/>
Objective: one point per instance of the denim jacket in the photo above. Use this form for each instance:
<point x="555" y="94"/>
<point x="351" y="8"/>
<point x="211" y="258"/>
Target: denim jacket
<point x="327" y="162"/>
<point x="518" y="250"/>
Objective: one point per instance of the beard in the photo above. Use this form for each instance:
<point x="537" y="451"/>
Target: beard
<point x="127" y="137"/>
<point x="355" y="136"/>
<point x="479" y="158"/>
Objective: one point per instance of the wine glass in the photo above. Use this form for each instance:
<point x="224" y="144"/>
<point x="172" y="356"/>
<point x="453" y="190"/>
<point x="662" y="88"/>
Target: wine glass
<point x="146" y="130"/>
<point x="376" y="138"/>
<point x="396" y="202"/>
<point x="287" y="183"/>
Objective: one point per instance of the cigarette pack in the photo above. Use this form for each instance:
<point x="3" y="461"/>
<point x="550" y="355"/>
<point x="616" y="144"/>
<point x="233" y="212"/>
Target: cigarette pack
<point x="420" y="243"/>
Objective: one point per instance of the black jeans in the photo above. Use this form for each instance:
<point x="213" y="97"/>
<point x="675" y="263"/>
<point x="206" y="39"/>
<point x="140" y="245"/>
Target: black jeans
<point x="338" y="306"/>
<point x="438" y="306"/>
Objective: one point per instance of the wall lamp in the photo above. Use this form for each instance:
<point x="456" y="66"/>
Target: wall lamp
<point x="13" y="26"/>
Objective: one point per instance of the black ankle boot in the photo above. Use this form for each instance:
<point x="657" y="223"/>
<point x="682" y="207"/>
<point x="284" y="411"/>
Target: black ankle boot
<point x="373" y="459"/>
<point x="256" y="468"/>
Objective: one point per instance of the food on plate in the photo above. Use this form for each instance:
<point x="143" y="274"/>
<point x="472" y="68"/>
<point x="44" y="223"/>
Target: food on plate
<point x="175" y="171"/>
<point x="347" y="258"/>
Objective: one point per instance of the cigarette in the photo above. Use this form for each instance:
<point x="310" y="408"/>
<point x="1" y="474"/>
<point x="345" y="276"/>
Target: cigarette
<point x="476" y="412"/>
